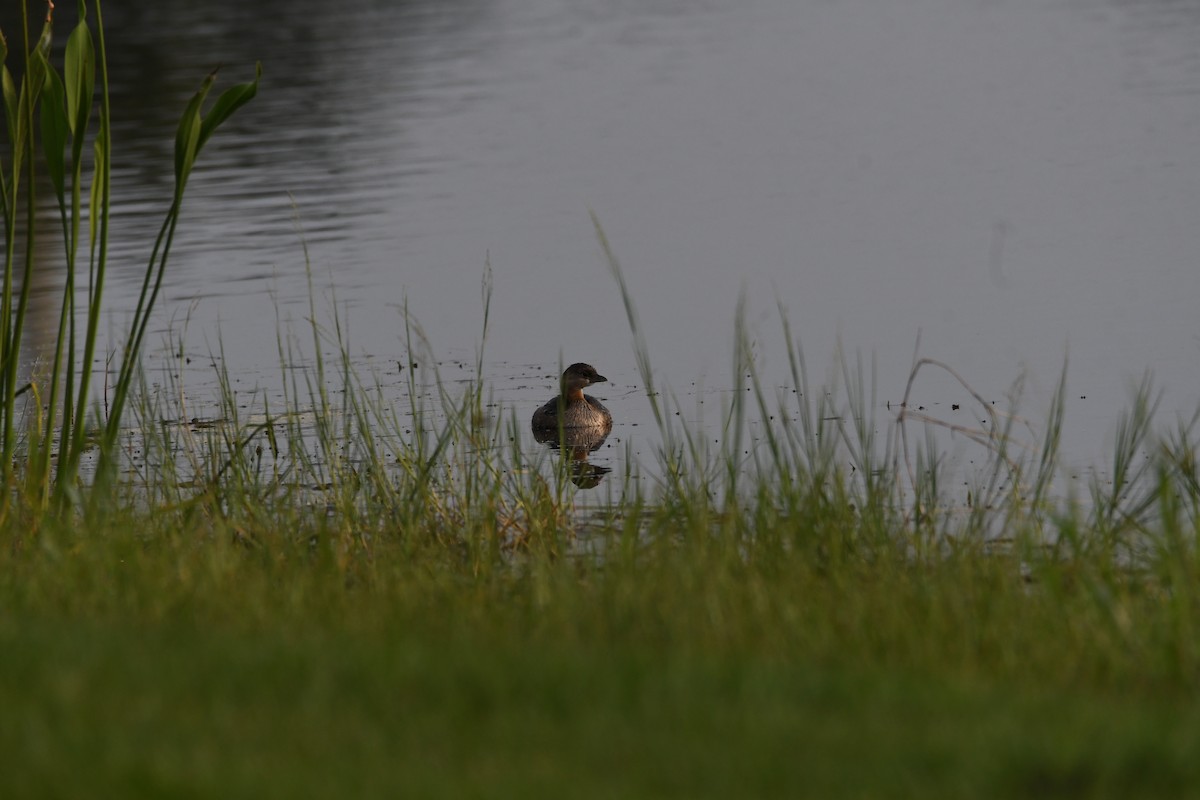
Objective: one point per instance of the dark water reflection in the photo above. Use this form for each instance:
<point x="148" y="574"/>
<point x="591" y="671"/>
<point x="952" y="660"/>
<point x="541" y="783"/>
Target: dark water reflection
<point x="1014" y="180"/>
<point x="574" y="446"/>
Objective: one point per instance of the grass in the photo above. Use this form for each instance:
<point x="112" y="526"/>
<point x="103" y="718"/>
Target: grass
<point x="343" y="600"/>
<point x="42" y="107"/>
<point x="320" y="713"/>
<point x="162" y="662"/>
<point x="338" y="596"/>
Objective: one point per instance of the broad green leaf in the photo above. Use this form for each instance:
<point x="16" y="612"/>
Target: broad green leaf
<point x="79" y="69"/>
<point x="10" y="103"/>
<point x="230" y="101"/>
<point x="37" y="67"/>
<point x="36" y="70"/>
<point x="54" y="128"/>
<point x="96" y="198"/>
<point x="187" y="136"/>
<point x="23" y="127"/>
<point x="43" y="40"/>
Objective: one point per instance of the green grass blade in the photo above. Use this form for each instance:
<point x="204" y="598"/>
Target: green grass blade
<point x="10" y="102"/>
<point x="79" y="68"/>
<point x="98" y="193"/>
<point x="55" y="127"/>
<point x="187" y="135"/>
<point x="230" y="101"/>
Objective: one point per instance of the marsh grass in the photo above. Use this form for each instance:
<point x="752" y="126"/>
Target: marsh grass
<point x="49" y="436"/>
<point x="408" y="585"/>
<point x="331" y="591"/>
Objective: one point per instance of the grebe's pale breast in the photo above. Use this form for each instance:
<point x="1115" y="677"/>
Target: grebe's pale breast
<point x="572" y="408"/>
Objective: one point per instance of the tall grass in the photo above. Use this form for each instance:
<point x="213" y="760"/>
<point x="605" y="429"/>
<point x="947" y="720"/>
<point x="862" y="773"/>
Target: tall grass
<point x="381" y="558"/>
<point x="809" y="535"/>
<point x="820" y="541"/>
<point x="59" y="110"/>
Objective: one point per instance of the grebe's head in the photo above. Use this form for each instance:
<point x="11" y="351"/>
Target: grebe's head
<point x="577" y="376"/>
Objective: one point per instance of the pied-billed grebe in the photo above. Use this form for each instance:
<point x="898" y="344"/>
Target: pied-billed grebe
<point x="572" y="408"/>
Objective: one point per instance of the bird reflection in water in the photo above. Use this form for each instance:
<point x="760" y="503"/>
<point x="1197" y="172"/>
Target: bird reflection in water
<point x="575" y="444"/>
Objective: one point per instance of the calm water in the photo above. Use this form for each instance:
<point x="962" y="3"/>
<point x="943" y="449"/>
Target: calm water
<point x="1015" y="180"/>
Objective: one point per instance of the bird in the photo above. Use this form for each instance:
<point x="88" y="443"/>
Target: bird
<point x="572" y="408"/>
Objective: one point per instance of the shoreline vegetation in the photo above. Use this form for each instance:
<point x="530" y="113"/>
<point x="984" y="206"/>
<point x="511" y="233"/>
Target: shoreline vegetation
<point x="328" y="599"/>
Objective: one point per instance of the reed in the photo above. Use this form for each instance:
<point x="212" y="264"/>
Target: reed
<point x="412" y="554"/>
<point x="59" y="109"/>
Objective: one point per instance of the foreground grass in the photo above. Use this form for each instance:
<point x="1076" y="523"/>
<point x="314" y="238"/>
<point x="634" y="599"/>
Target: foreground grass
<point x="148" y="662"/>
<point x="169" y="712"/>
